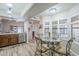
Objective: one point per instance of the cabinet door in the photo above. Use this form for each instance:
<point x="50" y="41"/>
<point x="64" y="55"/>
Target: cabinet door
<point x="3" y="40"/>
<point x="13" y="39"/>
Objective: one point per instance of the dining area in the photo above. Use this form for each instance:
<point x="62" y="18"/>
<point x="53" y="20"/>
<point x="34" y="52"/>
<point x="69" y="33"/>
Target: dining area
<point x="52" y="47"/>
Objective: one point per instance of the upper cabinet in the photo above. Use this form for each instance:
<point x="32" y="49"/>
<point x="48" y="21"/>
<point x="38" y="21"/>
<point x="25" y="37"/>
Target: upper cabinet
<point x="11" y="26"/>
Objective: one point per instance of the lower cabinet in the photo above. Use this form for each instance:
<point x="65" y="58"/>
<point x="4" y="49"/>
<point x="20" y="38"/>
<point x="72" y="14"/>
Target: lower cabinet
<point x="3" y="41"/>
<point x="13" y="39"/>
<point x="9" y="39"/>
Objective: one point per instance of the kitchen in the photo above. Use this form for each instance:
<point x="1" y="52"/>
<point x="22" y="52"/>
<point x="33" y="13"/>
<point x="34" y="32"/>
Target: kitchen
<point x="11" y="32"/>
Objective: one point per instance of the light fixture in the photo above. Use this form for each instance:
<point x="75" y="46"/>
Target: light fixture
<point x="52" y="10"/>
<point x="9" y="12"/>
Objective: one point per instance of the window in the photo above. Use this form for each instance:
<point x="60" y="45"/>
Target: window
<point x="75" y="18"/>
<point x="75" y="27"/>
<point x="63" y="21"/>
<point x="63" y="31"/>
<point x="54" y="29"/>
<point x="47" y="23"/>
<point x="54" y="23"/>
<point x="63" y="26"/>
<point x="75" y="32"/>
<point x="20" y="29"/>
<point x="54" y="32"/>
<point x="46" y="30"/>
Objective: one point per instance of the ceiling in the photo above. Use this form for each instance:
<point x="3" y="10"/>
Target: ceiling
<point x="38" y="8"/>
<point x="18" y="9"/>
<point x="59" y="8"/>
<point x="25" y="10"/>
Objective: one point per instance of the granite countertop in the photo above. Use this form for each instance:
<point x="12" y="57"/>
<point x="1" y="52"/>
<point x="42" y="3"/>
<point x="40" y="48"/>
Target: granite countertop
<point x="9" y="33"/>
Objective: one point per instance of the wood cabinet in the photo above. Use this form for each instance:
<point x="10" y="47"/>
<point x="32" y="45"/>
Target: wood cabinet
<point x="13" y="39"/>
<point x="9" y="39"/>
<point x="3" y="40"/>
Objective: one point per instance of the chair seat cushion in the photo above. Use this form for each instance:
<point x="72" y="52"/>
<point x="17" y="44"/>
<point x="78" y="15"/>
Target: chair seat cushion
<point x="57" y="47"/>
<point x="43" y="49"/>
<point x="61" y="50"/>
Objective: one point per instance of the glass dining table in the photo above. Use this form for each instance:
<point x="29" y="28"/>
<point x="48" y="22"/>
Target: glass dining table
<point x="50" y="44"/>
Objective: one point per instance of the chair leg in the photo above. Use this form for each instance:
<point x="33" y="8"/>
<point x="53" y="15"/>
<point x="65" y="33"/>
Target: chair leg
<point x="35" y="53"/>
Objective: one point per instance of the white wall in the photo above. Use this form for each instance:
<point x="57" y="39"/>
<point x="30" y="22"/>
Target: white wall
<point x="75" y="11"/>
<point x="67" y="14"/>
<point x="26" y="29"/>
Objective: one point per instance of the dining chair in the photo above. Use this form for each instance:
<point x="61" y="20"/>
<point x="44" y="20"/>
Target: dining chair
<point x="64" y="50"/>
<point x="41" y="47"/>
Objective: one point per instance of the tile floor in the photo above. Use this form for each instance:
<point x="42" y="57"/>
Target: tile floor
<point x="24" y="49"/>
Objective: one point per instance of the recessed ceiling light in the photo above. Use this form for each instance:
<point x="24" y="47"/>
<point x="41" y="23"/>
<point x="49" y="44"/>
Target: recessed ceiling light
<point x="9" y="4"/>
<point x="52" y="10"/>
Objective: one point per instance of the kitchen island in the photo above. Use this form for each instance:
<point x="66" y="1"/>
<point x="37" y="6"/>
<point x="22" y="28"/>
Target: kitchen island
<point x="7" y="39"/>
